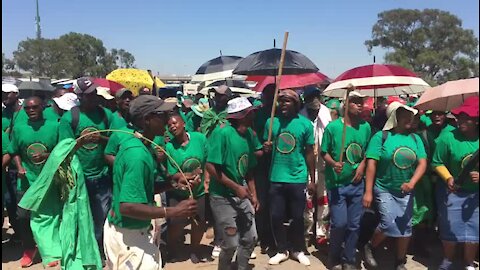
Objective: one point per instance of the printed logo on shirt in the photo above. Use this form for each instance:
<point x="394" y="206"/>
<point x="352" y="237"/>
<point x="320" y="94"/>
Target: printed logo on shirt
<point x="191" y="164"/>
<point x="354" y="153"/>
<point x="404" y="158"/>
<point x="286" y="143"/>
<point x="243" y="165"/>
<point x="89" y="146"/>
<point x="36" y="148"/>
<point x="466" y="159"/>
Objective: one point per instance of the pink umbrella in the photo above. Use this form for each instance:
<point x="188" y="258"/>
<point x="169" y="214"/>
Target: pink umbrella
<point x="112" y="86"/>
<point x="289" y="81"/>
<point x="448" y="95"/>
<point x="377" y="80"/>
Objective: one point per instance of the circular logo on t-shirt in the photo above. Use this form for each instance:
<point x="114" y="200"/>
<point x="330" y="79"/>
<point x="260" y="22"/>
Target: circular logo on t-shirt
<point x="36" y="148"/>
<point x="89" y="146"/>
<point x="404" y="158"/>
<point x="243" y="165"/>
<point x="285" y="143"/>
<point x="354" y="153"/>
<point x="191" y="164"/>
<point x="466" y="159"/>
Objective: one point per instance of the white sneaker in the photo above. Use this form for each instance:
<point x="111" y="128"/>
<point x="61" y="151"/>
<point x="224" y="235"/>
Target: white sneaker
<point x="279" y="258"/>
<point x="470" y="267"/>
<point x="300" y="256"/>
<point x="216" y="251"/>
<point x="253" y="255"/>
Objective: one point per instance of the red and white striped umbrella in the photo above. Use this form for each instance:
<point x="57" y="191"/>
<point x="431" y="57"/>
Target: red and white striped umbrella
<point x="377" y="80"/>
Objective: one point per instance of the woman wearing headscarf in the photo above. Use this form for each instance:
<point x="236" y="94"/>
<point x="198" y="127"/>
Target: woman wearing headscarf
<point x="396" y="162"/>
<point x="457" y="194"/>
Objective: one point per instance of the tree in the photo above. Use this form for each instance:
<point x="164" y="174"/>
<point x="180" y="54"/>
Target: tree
<point x="431" y="42"/>
<point x="71" y="55"/>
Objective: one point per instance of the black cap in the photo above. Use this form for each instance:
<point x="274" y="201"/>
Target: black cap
<point x="84" y="85"/>
<point x="147" y="104"/>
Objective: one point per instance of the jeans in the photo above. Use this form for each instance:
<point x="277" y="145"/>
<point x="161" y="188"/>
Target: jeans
<point x="100" y="197"/>
<point x="11" y="198"/>
<point x="346" y="212"/>
<point x="289" y="198"/>
<point x="24" y="231"/>
<point x="235" y="217"/>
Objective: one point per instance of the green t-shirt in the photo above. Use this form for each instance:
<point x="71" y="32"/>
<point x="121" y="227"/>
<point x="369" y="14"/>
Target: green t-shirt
<point x="8" y="115"/>
<point x="117" y="121"/>
<point x="189" y="157"/>
<point x="356" y="142"/>
<point x="433" y="134"/>
<point x="426" y="120"/>
<point x="454" y="151"/>
<point x="133" y="182"/>
<point x="261" y="117"/>
<point x="234" y="153"/>
<point x="5" y="145"/>
<point x="290" y="138"/>
<point x="396" y="160"/>
<point x="30" y="138"/>
<point x="91" y="155"/>
<point x="50" y="114"/>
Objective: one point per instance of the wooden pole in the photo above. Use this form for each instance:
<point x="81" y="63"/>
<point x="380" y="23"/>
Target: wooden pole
<point x="350" y="88"/>
<point x="277" y="86"/>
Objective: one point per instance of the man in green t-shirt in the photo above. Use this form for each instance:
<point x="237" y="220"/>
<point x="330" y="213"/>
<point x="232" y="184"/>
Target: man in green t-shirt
<point x="233" y="198"/>
<point x="123" y="97"/>
<point x="31" y="144"/>
<point x="5" y="161"/>
<point x="127" y="238"/>
<point x="293" y="161"/>
<point x="345" y="180"/>
<point x="89" y="116"/>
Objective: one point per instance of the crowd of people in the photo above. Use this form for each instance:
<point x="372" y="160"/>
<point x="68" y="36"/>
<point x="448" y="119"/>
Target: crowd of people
<point x="344" y="177"/>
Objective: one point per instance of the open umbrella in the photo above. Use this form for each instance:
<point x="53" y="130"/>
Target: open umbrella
<point x="40" y="88"/>
<point x="237" y="86"/>
<point x="289" y="81"/>
<point x="448" y="95"/>
<point x="134" y="79"/>
<point x="377" y="80"/>
<point x="267" y="63"/>
<point x="111" y="86"/>
<point x="217" y="68"/>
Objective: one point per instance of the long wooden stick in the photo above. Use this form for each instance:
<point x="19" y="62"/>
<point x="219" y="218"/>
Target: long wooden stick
<point x="277" y="86"/>
<point x="350" y="88"/>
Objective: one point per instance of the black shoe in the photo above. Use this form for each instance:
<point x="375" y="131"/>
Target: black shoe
<point x="347" y="266"/>
<point x="369" y="256"/>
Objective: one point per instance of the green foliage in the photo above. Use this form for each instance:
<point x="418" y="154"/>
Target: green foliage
<point x="71" y="55"/>
<point x="430" y="42"/>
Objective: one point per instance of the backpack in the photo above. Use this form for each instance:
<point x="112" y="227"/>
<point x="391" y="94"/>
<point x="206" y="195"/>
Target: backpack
<point x="75" y="111"/>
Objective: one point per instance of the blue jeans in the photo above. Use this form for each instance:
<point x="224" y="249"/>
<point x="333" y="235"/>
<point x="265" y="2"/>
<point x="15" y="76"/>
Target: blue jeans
<point x="100" y="197"/>
<point x="346" y="211"/>
<point x="288" y="198"/>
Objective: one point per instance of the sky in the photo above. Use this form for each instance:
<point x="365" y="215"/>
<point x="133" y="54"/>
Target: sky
<point x="177" y="37"/>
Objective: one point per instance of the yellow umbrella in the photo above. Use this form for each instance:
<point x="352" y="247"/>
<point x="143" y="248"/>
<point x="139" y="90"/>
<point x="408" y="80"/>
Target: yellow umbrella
<point x="134" y="79"/>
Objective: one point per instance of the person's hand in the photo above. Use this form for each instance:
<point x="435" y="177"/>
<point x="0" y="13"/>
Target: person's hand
<point x="161" y="157"/>
<point x="367" y="199"/>
<point x="93" y="138"/>
<point x="407" y="187"/>
<point x="166" y="139"/>
<point x="359" y="173"/>
<point x="191" y="179"/>
<point x="451" y="184"/>
<point x="474" y="176"/>
<point x="22" y="173"/>
<point x="243" y="193"/>
<point x="255" y="203"/>
<point x="312" y="188"/>
<point x="338" y="167"/>
<point x="39" y="157"/>
<point x="267" y="147"/>
<point x="186" y="208"/>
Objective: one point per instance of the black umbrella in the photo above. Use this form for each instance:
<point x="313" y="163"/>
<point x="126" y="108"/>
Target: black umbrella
<point x="30" y="88"/>
<point x="219" y="64"/>
<point x="267" y="63"/>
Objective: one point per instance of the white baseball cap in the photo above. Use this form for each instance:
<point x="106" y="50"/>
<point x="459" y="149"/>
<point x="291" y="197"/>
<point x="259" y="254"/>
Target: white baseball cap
<point x="104" y="92"/>
<point x="392" y="114"/>
<point x="67" y="101"/>
<point x="9" y="88"/>
<point x="239" y="107"/>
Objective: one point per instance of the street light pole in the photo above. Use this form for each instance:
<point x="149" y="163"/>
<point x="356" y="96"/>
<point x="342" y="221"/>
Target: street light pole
<point x="37" y="20"/>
